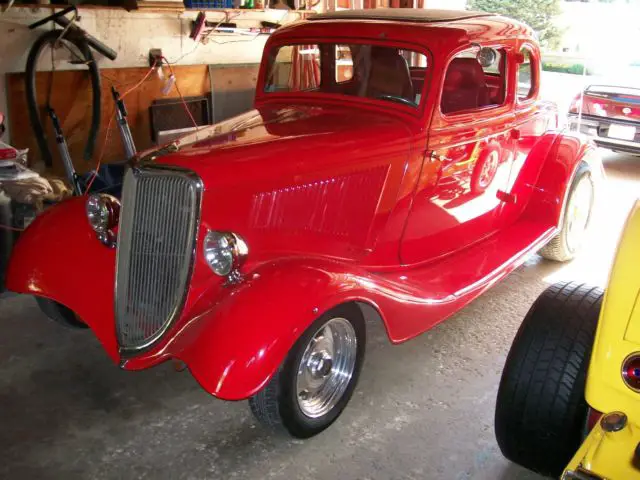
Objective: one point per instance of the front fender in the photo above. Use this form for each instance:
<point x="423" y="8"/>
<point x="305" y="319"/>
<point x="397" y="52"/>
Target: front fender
<point x="59" y="257"/>
<point x="235" y="346"/>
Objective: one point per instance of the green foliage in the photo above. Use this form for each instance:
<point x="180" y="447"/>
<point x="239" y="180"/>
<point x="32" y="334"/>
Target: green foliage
<point x="538" y="14"/>
<point x="575" y="68"/>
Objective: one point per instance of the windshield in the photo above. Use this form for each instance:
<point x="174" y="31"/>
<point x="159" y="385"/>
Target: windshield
<point x="381" y="72"/>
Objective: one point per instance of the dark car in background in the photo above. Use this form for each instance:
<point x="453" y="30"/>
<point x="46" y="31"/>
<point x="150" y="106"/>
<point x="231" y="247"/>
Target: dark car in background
<point x="610" y="115"/>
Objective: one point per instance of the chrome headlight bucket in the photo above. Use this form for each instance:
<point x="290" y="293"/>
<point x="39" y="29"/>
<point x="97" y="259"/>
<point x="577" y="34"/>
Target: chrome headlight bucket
<point x="224" y="252"/>
<point x="103" y="214"/>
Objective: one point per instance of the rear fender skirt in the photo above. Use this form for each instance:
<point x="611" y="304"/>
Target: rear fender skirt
<point x="550" y="190"/>
<point x="59" y="257"/>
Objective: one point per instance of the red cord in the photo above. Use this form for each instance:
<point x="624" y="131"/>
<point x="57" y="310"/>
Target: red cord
<point x="184" y="103"/>
<point x="104" y="143"/>
<point x="140" y="82"/>
<point x="106" y="137"/>
<point x="108" y="132"/>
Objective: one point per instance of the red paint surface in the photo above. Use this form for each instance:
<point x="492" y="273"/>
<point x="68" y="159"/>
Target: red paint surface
<point x="338" y="201"/>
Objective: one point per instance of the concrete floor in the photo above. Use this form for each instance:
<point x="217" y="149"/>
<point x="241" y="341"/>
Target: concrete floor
<point x="422" y="410"/>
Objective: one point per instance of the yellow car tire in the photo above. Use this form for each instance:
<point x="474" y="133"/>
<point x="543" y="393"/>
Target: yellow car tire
<point x="541" y="411"/>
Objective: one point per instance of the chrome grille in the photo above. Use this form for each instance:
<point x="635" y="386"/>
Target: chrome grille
<point x="156" y="245"/>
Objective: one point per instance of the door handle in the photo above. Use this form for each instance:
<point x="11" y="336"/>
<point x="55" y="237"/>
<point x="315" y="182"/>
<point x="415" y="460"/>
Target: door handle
<point x="434" y="156"/>
<point x="515" y="134"/>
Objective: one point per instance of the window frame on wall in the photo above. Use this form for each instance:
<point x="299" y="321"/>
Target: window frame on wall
<point x="534" y="72"/>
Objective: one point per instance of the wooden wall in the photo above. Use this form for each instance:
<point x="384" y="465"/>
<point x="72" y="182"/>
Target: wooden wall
<point x="71" y="99"/>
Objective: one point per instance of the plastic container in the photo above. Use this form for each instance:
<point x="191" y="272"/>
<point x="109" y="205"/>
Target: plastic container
<point x="205" y="4"/>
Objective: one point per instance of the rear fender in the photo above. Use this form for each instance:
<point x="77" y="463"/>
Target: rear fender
<point x="59" y="257"/>
<point x="550" y="189"/>
<point x="235" y="346"/>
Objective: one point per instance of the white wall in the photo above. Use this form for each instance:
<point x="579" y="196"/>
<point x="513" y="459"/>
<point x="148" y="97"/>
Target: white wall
<point x="446" y="4"/>
<point x="132" y="34"/>
<point x="605" y="32"/>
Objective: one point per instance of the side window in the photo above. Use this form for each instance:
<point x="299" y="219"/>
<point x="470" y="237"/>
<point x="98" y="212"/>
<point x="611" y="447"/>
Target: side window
<point x="474" y="79"/>
<point x="344" y="64"/>
<point x="526" y="75"/>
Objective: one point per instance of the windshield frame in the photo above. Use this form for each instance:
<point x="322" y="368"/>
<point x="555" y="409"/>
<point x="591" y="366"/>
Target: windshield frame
<point x="272" y="48"/>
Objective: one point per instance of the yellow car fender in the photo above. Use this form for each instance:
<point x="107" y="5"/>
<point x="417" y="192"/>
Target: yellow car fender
<point x="610" y="454"/>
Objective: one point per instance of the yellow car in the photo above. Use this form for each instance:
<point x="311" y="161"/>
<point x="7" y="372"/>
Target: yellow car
<point x="569" y="400"/>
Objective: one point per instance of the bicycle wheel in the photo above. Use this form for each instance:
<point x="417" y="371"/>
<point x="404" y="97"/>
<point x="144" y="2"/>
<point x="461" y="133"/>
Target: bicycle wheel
<point x="70" y="50"/>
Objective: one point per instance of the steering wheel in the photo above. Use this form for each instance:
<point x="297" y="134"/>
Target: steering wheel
<point x="395" y="98"/>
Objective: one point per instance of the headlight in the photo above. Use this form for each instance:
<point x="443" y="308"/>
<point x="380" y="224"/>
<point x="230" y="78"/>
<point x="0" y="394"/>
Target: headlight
<point x="103" y="212"/>
<point x="224" y="252"/>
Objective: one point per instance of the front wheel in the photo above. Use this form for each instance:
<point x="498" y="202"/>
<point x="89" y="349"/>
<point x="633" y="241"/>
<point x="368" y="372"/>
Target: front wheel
<point x="59" y="313"/>
<point x="318" y="377"/>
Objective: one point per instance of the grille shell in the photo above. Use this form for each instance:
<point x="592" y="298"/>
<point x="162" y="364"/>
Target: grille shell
<point x="156" y="250"/>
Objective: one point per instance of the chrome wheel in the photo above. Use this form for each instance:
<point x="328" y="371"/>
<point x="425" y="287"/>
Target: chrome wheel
<point x="488" y="170"/>
<point x="326" y="367"/>
<point x="578" y="212"/>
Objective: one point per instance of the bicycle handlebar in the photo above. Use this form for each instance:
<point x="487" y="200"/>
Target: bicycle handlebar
<point x="53" y="17"/>
<point x="64" y="22"/>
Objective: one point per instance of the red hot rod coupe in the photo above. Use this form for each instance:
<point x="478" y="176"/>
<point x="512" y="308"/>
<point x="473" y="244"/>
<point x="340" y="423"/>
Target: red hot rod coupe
<point x="396" y="165"/>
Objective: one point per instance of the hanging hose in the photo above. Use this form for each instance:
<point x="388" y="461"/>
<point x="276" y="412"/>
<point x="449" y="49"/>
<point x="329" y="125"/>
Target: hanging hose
<point x="51" y="39"/>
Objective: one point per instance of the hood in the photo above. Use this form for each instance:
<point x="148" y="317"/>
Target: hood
<point x="276" y="140"/>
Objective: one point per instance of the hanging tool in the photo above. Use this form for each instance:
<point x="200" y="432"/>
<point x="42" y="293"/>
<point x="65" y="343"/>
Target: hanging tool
<point x="72" y="176"/>
<point x="201" y="28"/>
<point x="123" y="125"/>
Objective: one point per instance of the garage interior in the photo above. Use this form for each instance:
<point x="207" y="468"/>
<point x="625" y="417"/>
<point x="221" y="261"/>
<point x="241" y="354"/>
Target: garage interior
<point x="422" y="409"/>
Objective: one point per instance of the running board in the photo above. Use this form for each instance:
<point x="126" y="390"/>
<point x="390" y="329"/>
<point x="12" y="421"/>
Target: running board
<point x="445" y="286"/>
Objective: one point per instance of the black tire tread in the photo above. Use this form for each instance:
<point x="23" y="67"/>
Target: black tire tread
<point x="275" y="406"/>
<point x="264" y="405"/>
<point x="59" y="313"/>
<point x="541" y="409"/>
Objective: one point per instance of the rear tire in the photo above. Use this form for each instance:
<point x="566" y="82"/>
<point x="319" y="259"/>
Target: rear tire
<point x="330" y="350"/>
<point x="541" y="409"/>
<point x="568" y="242"/>
<point x="59" y="313"/>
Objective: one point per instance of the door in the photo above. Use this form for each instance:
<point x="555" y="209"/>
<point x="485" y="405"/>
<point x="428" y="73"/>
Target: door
<point x="456" y="202"/>
<point x="533" y="118"/>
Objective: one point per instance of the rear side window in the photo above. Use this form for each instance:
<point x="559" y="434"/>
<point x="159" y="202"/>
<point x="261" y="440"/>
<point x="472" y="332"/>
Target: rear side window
<point x="526" y="75"/>
<point x="474" y="80"/>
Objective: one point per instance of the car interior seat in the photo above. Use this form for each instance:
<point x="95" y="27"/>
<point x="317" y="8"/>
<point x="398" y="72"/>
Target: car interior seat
<point x="389" y="74"/>
<point x="464" y="86"/>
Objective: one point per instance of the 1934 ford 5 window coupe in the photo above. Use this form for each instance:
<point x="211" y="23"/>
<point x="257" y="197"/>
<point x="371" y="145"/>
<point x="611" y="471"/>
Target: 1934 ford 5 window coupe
<point x="396" y="165"/>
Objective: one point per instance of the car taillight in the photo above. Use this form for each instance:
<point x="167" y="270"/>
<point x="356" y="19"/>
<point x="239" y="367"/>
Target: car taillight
<point x="631" y="371"/>
<point x="593" y="417"/>
<point x="575" y="104"/>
